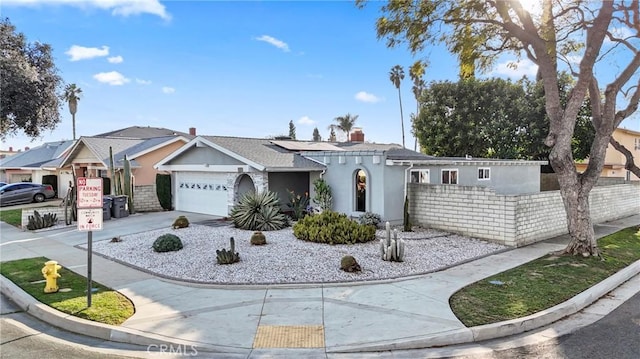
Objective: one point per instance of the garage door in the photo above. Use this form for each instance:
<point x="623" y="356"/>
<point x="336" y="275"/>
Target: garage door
<point x="202" y="192"/>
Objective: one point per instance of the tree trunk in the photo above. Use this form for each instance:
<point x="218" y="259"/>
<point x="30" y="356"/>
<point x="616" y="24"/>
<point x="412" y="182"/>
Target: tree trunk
<point x="401" y="117"/>
<point x="73" y="123"/>
<point x="576" y="204"/>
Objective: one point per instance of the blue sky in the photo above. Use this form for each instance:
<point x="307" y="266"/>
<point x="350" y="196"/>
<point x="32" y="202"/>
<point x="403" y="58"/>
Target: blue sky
<point x="227" y="68"/>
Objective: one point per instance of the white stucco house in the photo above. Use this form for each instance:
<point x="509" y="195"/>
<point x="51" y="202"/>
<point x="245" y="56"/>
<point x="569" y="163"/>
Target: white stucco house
<point x="210" y="173"/>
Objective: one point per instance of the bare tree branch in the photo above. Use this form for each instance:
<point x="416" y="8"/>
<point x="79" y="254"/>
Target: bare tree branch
<point x="630" y="164"/>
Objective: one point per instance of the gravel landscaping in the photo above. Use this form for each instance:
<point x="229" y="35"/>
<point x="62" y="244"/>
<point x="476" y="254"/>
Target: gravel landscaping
<point x="286" y="259"/>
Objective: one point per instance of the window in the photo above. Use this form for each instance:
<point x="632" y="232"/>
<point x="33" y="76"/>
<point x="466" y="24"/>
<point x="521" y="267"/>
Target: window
<point x="449" y="176"/>
<point x="419" y="176"/>
<point x="361" y="191"/>
<point x="484" y="174"/>
<point x="637" y="143"/>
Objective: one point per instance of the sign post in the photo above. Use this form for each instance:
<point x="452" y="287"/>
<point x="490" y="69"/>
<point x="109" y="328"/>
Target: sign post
<point x="89" y="202"/>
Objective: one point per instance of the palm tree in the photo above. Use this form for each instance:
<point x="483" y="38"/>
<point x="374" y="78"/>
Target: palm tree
<point x="416" y="72"/>
<point x="72" y="96"/>
<point x="345" y="123"/>
<point x="396" y="75"/>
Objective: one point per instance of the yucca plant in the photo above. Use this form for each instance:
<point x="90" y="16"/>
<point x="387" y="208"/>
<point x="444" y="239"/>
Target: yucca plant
<point x="259" y="211"/>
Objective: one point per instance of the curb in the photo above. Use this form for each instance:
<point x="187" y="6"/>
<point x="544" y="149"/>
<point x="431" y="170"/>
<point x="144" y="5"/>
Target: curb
<point x="504" y="328"/>
<point x="461" y="336"/>
<point x="93" y="329"/>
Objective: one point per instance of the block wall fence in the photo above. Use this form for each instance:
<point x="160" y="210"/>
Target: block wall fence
<point x="512" y="220"/>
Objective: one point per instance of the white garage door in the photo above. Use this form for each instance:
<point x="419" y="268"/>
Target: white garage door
<point x="202" y="192"/>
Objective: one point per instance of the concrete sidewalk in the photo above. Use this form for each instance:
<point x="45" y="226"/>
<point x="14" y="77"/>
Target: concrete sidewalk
<point x="310" y="320"/>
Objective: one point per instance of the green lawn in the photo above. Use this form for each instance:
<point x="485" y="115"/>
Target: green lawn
<point x="12" y="217"/>
<point x="544" y="282"/>
<point x="107" y="306"/>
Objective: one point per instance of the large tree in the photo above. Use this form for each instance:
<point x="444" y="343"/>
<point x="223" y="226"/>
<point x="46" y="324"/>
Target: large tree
<point x="396" y="75"/>
<point x="29" y="85"/>
<point x="584" y="36"/>
<point x="316" y="135"/>
<point x="416" y="73"/>
<point x="492" y="118"/>
<point x="292" y="130"/>
<point x="72" y="96"/>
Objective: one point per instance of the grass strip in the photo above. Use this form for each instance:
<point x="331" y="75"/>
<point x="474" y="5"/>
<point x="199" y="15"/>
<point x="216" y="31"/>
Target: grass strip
<point x="12" y="217"/>
<point x="544" y="282"/>
<point x="107" y="305"/>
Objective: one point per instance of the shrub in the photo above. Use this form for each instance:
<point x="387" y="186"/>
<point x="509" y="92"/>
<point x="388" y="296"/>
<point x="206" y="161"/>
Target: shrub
<point x="258" y="238"/>
<point x="180" y="222"/>
<point x="298" y="205"/>
<point x="259" y="211"/>
<point x="323" y="197"/>
<point x="163" y="190"/>
<point x="370" y="219"/>
<point x="167" y="243"/>
<point x="349" y="264"/>
<point x="333" y="228"/>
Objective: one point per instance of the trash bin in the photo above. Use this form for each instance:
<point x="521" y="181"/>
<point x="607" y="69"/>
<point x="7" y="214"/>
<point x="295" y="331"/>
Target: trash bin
<point x="119" y="207"/>
<point x="106" y="207"/>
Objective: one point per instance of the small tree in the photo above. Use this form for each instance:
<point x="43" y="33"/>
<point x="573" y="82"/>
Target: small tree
<point x="292" y="130"/>
<point x="316" y="135"/>
<point x="332" y="133"/>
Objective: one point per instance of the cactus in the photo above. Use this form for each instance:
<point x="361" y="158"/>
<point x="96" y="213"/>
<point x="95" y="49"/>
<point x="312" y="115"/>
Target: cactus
<point x="228" y="257"/>
<point x="112" y="172"/>
<point x="258" y="238"/>
<point x="391" y="249"/>
<point x="38" y="222"/>
<point x="128" y="186"/>
<point x="349" y="264"/>
<point x="406" y="223"/>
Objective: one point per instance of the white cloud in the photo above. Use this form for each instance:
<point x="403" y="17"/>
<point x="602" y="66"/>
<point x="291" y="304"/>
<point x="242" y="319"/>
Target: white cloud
<point x="113" y="78"/>
<point x="168" y="90"/>
<point x="77" y="53"/>
<point x="275" y="42"/>
<point x="306" y="120"/>
<point x="516" y="70"/>
<point x="364" y="96"/>
<point x="115" y="59"/>
<point x="117" y="7"/>
<point x="143" y="82"/>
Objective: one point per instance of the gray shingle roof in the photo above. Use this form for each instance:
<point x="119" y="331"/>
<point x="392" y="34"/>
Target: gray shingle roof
<point x="37" y="156"/>
<point x="143" y="132"/>
<point x="265" y="153"/>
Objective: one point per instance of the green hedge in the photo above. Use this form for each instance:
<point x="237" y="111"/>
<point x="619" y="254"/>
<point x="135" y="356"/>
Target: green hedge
<point x="333" y="228"/>
<point x="163" y="190"/>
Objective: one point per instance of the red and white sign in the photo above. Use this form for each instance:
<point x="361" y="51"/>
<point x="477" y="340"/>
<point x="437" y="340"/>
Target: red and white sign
<point x="89" y="219"/>
<point x="89" y="192"/>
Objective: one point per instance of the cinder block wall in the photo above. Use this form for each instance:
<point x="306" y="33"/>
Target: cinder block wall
<point x="511" y="220"/>
<point x="58" y="211"/>
<point x="145" y="199"/>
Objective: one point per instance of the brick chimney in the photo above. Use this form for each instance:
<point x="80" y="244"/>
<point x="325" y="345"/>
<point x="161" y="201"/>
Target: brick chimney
<point x="192" y="131"/>
<point x="357" y="135"/>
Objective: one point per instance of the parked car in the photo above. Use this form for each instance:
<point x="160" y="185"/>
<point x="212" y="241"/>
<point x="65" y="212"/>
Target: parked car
<point x="2" y="183"/>
<point x="25" y="192"/>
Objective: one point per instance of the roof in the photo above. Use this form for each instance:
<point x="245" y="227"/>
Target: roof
<point x="37" y="157"/>
<point x="265" y="153"/>
<point x="141" y="132"/>
<point x="131" y="147"/>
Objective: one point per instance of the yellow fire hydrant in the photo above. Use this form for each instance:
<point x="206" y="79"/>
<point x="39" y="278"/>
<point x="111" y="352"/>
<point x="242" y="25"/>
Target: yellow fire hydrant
<point x="50" y="273"/>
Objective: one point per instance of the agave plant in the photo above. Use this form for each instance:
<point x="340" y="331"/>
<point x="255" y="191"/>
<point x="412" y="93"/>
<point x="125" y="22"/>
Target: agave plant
<point x="259" y="211"/>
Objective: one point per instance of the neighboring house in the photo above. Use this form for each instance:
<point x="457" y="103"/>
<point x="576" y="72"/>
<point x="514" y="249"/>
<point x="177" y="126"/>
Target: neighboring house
<point x="34" y="164"/>
<point x="210" y="173"/>
<point x="614" y="161"/>
<point x="89" y="157"/>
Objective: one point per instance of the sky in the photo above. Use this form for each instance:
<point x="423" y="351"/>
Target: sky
<point x="229" y="68"/>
